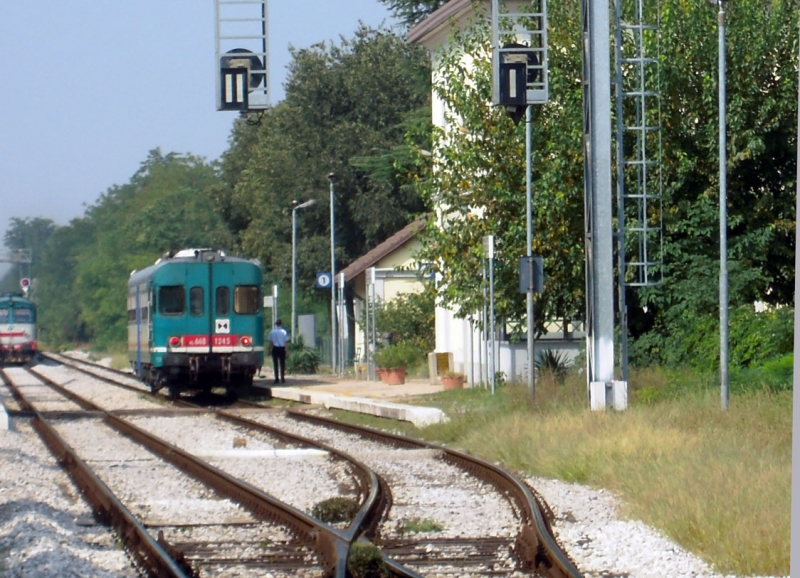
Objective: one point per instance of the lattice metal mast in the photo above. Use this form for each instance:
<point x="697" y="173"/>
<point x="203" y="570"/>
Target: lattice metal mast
<point x="638" y="162"/>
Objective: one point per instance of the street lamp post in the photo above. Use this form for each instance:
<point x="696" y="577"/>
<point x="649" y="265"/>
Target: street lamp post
<point x="295" y="208"/>
<point x="332" y="179"/>
<point x="723" y="215"/>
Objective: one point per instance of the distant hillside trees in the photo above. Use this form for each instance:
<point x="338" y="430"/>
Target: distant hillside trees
<point x="83" y="268"/>
<point x="31" y="234"/>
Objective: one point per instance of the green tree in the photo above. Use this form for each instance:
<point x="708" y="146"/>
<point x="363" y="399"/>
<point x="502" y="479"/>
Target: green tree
<point x="761" y="84"/>
<point x="31" y="234"/>
<point x="478" y="185"/>
<point x="85" y="265"/>
<point x="347" y="110"/>
<point x="411" y="12"/>
<point x="59" y="312"/>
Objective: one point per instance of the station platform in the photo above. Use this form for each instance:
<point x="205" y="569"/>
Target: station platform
<point x="370" y="397"/>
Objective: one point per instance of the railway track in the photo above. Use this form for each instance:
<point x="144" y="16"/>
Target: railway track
<point x="313" y="548"/>
<point x="528" y="550"/>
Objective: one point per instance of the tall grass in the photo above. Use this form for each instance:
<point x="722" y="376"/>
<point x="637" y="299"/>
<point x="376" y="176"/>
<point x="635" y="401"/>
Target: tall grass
<point x="716" y="482"/>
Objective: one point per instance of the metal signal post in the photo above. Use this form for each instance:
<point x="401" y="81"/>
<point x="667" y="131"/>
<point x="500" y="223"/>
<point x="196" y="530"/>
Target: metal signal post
<point x="334" y="334"/>
<point x="520" y="79"/>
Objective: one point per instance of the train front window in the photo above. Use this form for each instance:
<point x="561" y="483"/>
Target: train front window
<point x="172" y="300"/>
<point x="245" y="299"/>
<point x="223" y="301"/>
<point x="196" y="305"/>
<point x="4" y="314"/>
<point x="23" y="316"/>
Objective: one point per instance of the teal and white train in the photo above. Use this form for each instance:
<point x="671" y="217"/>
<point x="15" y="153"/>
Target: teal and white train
<point x="17" y="328"/>
<point x="195" y="321"/>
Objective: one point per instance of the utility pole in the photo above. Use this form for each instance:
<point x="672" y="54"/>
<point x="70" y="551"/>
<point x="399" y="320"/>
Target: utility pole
<point x="332" y="180"/>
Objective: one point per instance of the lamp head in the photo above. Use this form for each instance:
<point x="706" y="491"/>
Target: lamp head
<point x="332" y="177"/>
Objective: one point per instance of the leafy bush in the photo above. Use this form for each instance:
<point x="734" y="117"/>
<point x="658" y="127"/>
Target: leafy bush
<point x="335" y="510"/>
<point x="409" y="317"/>
<point x="403" y="354"/>
<point x="693" y="340"/>
<point x="365" y="561"/>
<point x="302" y="359"/>
<point x="775" y="375"/>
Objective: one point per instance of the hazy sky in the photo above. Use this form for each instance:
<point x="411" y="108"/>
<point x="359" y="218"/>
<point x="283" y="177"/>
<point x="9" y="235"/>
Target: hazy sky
<point x="90" y="86"/>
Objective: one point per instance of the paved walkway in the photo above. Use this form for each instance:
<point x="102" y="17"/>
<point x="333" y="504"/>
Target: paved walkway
<point x="349" y="386"/>
<point x="371" y="397"/>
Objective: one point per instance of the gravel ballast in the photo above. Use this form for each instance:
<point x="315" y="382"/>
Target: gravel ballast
<point x="46" y="528"/>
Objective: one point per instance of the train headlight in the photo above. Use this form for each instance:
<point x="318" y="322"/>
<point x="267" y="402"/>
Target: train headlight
<point x="246" y="341"/>
<point x="174" y="341"/>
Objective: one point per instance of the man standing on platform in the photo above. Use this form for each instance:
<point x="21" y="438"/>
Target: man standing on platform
<point x="278" y="340"/>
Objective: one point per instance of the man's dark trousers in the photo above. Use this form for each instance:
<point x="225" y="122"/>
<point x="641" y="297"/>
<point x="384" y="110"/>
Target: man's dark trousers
<point x="279" y="358"/>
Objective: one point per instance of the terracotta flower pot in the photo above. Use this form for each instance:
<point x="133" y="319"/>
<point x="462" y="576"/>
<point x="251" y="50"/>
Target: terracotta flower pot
<point x="396" y="376"/>
<point x="452" y="382"/>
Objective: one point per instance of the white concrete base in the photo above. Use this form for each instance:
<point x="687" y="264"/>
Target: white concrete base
<point x="3" y="418"/>
<point x="419" y="416"/>
<point x="603" y="395"/>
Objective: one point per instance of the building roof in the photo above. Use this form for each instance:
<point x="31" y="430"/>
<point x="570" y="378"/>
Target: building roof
<point x="386" y="248"/>
<point x="437" y="19"/>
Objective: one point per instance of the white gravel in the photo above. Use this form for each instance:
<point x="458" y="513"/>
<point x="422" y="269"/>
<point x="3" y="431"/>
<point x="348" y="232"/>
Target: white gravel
<point x="299" y="479"/>
<point x="423" y="486"/>
<point x="43" y="529"/>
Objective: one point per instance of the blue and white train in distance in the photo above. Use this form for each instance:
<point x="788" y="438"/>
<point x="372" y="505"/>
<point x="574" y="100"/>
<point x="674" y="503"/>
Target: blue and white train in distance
<point x="195" y="321"/>
<point x="17" y="328"/>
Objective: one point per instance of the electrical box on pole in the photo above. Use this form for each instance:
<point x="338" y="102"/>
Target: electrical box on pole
<point x="531" y="274"/>
<point x="242" y="55"/>
<point x="519" y="53"/>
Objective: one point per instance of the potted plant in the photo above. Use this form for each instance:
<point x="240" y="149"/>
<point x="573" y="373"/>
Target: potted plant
<point x="453" y="380"/>
<point x="393" y="360"/>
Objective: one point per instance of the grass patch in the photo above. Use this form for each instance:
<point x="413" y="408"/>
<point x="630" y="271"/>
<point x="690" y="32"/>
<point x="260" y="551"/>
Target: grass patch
<point x="421" y="526"/>
<point x="716" y="482"/>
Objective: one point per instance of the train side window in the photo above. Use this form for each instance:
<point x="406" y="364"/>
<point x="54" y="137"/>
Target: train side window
<point x="245" y="299"/>
<point x="132" y="315"/>
<point x="23" y="316"/>
<point x="196" y="305"/>
<point x="172" y="300"/>
<point x="4" y="315"/>
<point x="223" y="301"/>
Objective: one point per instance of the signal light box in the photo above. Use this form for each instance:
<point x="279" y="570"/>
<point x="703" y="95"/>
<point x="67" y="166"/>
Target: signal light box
<point x="241" y="55"/>
<point x="519" y="53"/>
